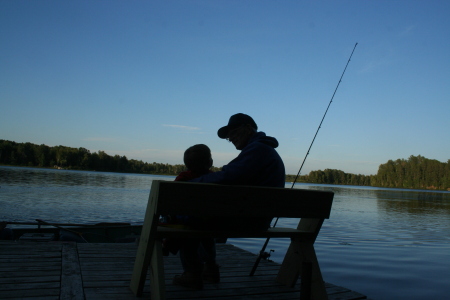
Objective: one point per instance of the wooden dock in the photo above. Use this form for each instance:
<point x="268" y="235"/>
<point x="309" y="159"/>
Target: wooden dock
<point x="30" y="270"/>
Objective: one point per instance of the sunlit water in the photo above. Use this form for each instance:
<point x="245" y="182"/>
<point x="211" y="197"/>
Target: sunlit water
<point x="384" y="243"/>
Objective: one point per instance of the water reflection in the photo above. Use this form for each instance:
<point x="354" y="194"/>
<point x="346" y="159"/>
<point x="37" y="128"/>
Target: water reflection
<point x="73" y="196"/>
<point x="51" y="177"/>
<point x="414" y="202"/>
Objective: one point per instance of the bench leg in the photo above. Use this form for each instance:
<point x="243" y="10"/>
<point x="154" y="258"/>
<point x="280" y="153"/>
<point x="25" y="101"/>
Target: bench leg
<point x="291" y="268"/>
<point x="146" y="247"/>
<point x="141" y="264"/>
<point x="157" y="284"/>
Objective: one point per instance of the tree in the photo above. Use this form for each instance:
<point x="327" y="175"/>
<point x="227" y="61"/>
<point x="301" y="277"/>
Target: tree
<point x="43" y="155"/>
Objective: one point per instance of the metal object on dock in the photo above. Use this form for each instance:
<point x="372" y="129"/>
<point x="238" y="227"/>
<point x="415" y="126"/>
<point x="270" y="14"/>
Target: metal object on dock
<point x="37" y="237"/>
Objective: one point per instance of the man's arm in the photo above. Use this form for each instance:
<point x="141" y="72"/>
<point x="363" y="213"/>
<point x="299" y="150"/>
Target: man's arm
<point x="242" y="169"/>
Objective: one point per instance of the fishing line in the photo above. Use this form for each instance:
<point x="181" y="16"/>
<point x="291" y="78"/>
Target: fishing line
<point x="262" y="253"/>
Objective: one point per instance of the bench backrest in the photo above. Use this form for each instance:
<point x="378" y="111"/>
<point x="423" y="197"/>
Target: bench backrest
<point x="200" y="199"/>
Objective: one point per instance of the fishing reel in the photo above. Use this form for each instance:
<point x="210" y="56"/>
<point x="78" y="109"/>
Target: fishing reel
<point x="265" y="255"/>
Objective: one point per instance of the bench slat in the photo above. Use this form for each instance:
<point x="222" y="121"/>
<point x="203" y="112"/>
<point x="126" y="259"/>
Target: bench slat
<point x="241" y="201"/>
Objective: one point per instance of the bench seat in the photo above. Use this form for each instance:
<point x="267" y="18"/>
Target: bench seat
<point x="214" y="200"/>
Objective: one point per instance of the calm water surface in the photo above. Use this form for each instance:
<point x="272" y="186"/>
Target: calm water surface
<point x="384" y="243"/>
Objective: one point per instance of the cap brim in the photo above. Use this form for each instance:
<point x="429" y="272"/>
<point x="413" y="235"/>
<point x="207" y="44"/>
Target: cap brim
<point x="223" y="132"/>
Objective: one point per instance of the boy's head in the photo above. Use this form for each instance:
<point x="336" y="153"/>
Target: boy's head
<point x="198" y="158"/>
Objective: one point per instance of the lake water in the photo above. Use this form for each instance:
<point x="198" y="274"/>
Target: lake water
<point x="383" y="243"/>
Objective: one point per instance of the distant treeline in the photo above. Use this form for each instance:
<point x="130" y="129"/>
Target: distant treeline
<point x="62" y="157"/>
<point x="417" y="172"/>
<point x="332" y="176"/>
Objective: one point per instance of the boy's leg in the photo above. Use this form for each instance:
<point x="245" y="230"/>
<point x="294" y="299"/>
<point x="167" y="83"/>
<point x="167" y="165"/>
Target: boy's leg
<point x="192" y="266"/>
<point x="207" y="251"/>
<point x="189" y="255"/>
<point x="208" y="254"/>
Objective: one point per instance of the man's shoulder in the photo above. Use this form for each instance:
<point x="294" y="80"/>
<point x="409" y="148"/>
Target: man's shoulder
<point x="261" y="138"/>
<point x="260" y="146"/>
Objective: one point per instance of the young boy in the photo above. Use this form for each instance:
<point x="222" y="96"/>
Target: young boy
<point x="198" y="161"/>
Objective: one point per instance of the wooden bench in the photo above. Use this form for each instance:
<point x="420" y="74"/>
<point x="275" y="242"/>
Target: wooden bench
<point x="198" y="199"/>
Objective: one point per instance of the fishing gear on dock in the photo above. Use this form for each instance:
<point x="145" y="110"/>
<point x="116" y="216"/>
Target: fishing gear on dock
<point x="262" y="253"/>
<point x="76" y="233"/>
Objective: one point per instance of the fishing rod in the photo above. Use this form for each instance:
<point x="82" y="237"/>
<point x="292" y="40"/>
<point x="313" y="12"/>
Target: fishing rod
<point x="262" y="253"/>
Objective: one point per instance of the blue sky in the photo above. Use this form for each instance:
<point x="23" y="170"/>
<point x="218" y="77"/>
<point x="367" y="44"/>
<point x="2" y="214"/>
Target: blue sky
<point x="147" y="79"/>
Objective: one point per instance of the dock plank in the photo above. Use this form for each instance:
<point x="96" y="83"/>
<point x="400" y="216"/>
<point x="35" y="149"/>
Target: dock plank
<point x="71" y="281"/>
<point x="103" y="271"/>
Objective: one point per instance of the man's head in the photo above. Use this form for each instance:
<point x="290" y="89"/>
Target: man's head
<point x="198" y="158"/>
<point x="240" y="129"/>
